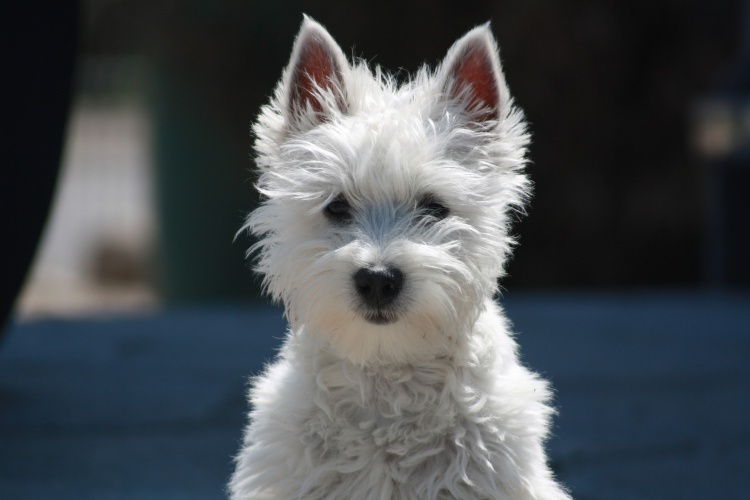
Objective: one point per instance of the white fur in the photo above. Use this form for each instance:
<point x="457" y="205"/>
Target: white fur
<point x="436" y="404"/>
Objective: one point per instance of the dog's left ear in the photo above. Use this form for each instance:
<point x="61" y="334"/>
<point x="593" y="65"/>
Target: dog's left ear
<point x="314" y="80"/>
<point x="472" y="78"/>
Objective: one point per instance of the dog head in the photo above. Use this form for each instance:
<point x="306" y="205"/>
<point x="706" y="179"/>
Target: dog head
<point x="384" y="225"/>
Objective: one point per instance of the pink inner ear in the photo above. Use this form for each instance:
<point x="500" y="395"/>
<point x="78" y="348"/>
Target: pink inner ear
<point x="475" y="80"/>
<point x="316" y="69"/>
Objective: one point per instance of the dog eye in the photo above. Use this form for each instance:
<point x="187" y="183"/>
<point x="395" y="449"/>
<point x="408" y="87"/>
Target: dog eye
<point x="432" y="207"/>
<point x="339" y="210"/>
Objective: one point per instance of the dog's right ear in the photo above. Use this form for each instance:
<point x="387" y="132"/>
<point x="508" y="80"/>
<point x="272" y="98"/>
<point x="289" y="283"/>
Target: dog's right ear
<point x="314" y="87"/>
<point x="473" y="79"/>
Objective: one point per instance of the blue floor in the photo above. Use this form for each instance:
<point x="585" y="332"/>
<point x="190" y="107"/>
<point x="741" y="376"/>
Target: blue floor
<point x="653" y="391"/>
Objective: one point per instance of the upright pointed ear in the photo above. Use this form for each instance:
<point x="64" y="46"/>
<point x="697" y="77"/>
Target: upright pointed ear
<point x="472" y="78"/>
<point x="314" y="80"/>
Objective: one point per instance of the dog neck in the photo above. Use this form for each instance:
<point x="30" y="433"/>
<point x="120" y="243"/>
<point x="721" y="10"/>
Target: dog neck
<point x="389" y="391"/>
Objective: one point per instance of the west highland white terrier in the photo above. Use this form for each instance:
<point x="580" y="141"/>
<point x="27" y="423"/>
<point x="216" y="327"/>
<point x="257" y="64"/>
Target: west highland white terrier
<point x="384" y="230"/>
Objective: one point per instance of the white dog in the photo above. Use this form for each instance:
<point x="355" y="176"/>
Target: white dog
<point x="383" y="231"/>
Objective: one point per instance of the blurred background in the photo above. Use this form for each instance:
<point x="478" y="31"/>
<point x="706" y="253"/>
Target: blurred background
<point x="638" y="112"/>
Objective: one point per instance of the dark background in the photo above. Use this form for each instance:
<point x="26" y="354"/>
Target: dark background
<point x="608" y="88"/>
<point x="623" y="196"/>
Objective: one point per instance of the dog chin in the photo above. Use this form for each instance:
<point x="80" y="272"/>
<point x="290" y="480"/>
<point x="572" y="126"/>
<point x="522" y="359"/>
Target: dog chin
<point x="375" y="339"/>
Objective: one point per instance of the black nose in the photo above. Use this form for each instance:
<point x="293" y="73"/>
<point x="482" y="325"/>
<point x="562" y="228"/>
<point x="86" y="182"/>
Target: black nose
<point x="378" y="287"/>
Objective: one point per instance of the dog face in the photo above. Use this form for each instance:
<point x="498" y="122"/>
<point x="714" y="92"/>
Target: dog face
<point x="385" y="221"/>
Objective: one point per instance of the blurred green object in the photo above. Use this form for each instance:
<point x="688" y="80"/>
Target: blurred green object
<point x="212" y="64"/>
<point x="203" y="192"/>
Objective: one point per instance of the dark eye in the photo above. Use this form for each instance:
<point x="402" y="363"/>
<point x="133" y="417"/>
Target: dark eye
<point x="339" y="210"/>
<point x="432" y="207"/>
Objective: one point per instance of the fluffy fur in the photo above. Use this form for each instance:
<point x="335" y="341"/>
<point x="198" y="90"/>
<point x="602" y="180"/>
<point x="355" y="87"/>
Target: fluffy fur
<point x="428" y="400"/>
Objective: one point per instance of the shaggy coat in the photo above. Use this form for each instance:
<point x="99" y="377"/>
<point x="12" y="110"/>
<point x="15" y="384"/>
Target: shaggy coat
<point x="414" y="390"/>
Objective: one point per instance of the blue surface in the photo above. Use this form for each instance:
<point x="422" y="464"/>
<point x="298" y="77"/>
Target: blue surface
<point x="653" y="392"/>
